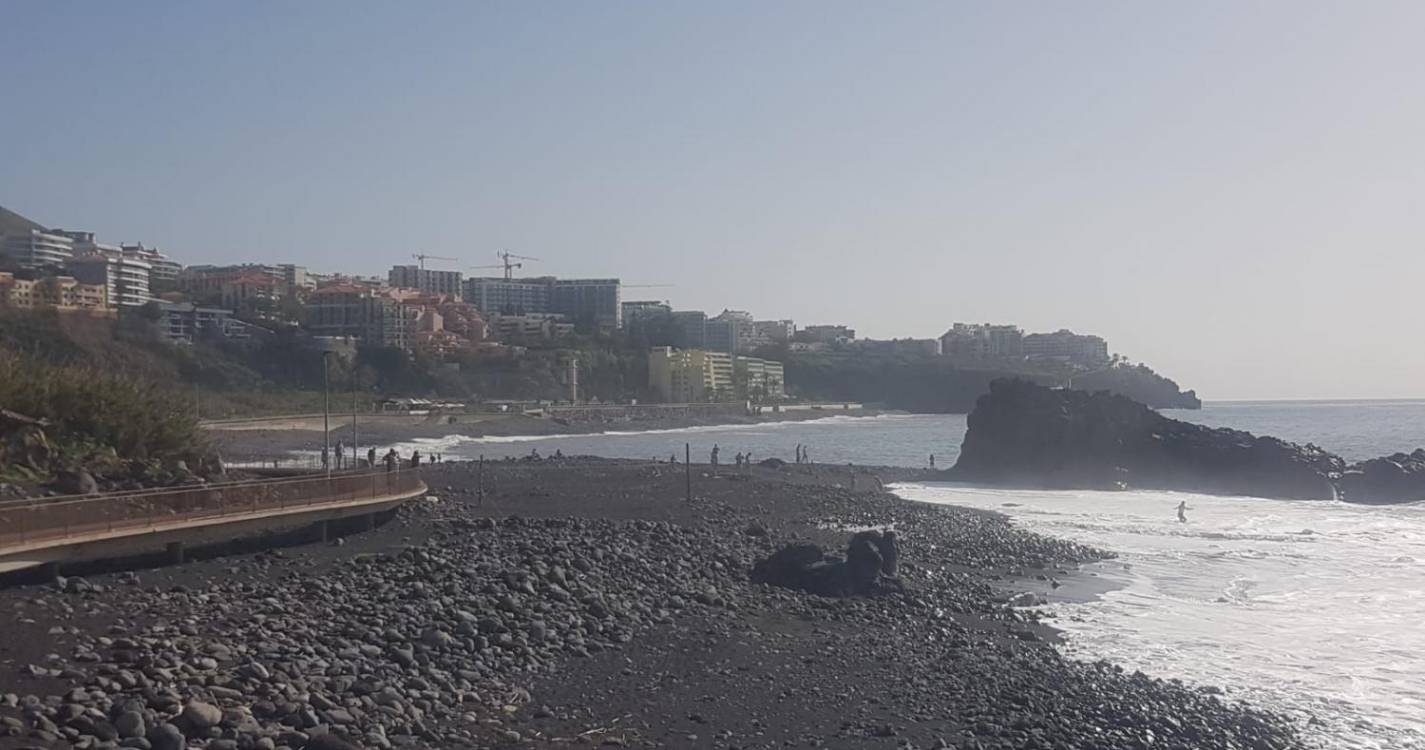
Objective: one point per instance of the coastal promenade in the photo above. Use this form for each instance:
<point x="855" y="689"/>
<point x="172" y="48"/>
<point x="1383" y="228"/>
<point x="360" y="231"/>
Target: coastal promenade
<point x="57" y="530"/>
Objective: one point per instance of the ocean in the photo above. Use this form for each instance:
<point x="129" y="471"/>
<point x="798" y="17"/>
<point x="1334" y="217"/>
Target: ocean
<point x="1314" y="609"/>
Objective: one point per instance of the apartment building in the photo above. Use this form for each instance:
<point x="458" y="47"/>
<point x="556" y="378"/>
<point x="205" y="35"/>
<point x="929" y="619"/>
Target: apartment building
<point x="186" y="323"/>
<point x="253" y="293"/>
<point x="427" y="280"/>
<point x="62" y="293"/>
<point x="690" y="375"/>
<point x="634" y="312"/>
<point x="1066" y="346"/>
<point x="690" y="329"/>
<point x="401" y="318"/>
<point x="375" y="317"/>
<point x="760" y="379"/>
<point x="730" y="332"/>
<point x="37" y="248"/>
<point x="827" y="334"/>
<point x="288" y="279"/>
<point x="163" y="271"/>
<point x="125" y="279"/>
<point x="778" y="331"/>
<point x="591" y="304"/>
<point x="983" y="341"/>
<point x="507" y="297"/>
<point x="530" y="328"/>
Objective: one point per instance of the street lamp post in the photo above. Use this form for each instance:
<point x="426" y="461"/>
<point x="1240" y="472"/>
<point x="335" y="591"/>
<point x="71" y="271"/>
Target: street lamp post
<point x="326" y="418"/>
<point x="355" y="436"/>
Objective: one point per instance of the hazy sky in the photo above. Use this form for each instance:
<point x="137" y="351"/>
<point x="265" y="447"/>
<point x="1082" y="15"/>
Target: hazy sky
<point x="1230" y="192"/>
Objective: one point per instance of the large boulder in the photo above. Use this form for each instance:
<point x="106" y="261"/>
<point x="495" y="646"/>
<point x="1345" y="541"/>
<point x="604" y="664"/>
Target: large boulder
<point x="79" y="482"/>
<point x="806" y="567"/>
<point x="23" y="442"/>
<point x="1029" y="435"/>
<point x="1398" y="478"/>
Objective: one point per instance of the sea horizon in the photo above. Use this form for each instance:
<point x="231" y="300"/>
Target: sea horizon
<point x="1236" y="401"/>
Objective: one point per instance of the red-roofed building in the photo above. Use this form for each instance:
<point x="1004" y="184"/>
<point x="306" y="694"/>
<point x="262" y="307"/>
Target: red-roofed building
<point x="389" y="316"/>
<point x="251" y="292"/>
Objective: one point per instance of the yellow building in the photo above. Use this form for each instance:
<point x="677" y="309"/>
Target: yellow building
<point x="690" y="375"/>
<point x="62" y="293"/>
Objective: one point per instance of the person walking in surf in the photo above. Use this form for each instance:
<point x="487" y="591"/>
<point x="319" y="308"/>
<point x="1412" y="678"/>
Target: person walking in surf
<point x="1182" y="516"/>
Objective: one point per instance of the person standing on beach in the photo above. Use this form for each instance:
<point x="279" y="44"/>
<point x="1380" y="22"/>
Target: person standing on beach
<point x="715" y="451"/>
<point x="932" y="460"/>
<point x="326" y="458"/>
<point x="340" y="454"/>
<point x="371" y="457"/>
<point x="1182" y="516"/>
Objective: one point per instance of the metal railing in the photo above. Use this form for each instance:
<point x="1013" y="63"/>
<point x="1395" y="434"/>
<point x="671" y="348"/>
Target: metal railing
<point x="32" y="522"/>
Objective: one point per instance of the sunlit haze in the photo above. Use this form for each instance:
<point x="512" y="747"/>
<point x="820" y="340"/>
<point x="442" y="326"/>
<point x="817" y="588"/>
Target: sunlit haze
<point x="1229" y="192"/>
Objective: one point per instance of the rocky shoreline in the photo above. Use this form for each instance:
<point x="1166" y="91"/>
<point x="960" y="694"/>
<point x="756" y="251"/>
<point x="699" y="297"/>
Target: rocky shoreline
<point x="587" y="602"/>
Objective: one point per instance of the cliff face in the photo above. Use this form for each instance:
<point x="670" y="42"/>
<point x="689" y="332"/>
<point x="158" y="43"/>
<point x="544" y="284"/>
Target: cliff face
<point x="1029" y="435"/>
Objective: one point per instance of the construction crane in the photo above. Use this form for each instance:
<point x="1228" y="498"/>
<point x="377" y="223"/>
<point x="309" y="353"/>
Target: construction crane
<point x="422" y="258"/>
<point x="505" y="256"/>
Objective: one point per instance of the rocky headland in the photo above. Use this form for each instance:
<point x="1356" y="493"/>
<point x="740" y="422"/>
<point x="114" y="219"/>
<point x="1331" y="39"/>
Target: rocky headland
<point x="586" y="602"/>
<point x="1024" y="434"/>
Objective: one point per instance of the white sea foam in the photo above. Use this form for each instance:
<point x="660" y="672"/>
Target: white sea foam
<point x="468" y="446"/>
<point x="1311" y="608"/>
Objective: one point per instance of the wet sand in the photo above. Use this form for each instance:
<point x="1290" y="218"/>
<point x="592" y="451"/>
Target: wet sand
<point x="254" y="444"/>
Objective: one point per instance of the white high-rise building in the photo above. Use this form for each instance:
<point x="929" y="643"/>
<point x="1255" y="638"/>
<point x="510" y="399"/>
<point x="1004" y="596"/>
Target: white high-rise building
<point x="125" y="279"/>
<point x="123" y="274"/>
<point x="162" y="270"/>
<point x="37" y="248"/>
<point x="427" y="280"/>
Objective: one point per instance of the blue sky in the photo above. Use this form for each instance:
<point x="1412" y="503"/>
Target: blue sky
<point x="1228" y="191"/>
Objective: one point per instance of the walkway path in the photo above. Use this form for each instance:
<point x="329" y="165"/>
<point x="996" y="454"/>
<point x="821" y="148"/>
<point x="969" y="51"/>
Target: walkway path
<point x="86" y="527"/>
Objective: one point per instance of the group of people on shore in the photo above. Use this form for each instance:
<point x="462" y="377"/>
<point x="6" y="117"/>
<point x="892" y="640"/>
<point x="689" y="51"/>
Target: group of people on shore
<point x="391" y="459"/>
<point x="742" y="459"/>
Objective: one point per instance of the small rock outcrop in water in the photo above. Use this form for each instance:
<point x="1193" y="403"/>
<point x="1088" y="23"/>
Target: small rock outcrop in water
<point x="869" y="567"/>
<point x="1398" y="478"/>
<point x="1027" y="434"/>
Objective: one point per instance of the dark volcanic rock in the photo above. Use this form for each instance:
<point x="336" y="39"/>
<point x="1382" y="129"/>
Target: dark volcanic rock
<point x="1398" y="478"/>
<point x="1027" y="434"/>
<point x="805" y="567"/>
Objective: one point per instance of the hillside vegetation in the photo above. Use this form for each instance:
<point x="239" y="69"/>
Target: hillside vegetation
<point x="283" y="374"/>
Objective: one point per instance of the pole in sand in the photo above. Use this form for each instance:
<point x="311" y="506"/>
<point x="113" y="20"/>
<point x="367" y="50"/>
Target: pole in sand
<point x="326" y="418"/>
<point x="688" y="468"/>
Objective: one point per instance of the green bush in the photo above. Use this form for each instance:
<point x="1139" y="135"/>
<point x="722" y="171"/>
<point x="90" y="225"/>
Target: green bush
<point x="88" y="408"/>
